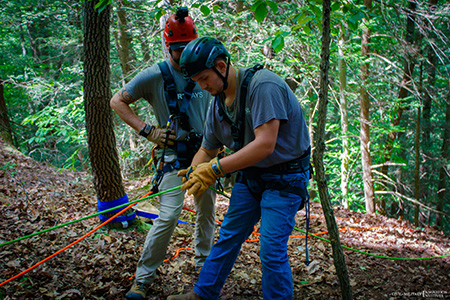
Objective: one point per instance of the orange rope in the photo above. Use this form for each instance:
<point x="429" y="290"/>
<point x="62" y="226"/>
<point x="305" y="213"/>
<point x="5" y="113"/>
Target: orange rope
<point x="80" y="239"/>
<point x="77" y="241"/>
<point x="258" y="234"/>
<point x="177" y="253"/>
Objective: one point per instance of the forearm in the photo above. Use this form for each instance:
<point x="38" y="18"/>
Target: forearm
<point x="246" y="157"/>
<point x="122" y="107"/>
<point x="204" y="155"/>
<point x="261" y="147"/>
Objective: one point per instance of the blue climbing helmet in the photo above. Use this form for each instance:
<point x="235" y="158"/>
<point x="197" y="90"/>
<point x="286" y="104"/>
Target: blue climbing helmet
<point x="200" y="54"/>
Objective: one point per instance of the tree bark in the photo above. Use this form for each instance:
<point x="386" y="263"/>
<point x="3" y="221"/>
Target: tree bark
<point x="5" y="126"/>
<point x="427" y="167"/>
<point x="444" y="172"/>
<point x="100" y="134"/>
<point x="162" y="24"/>
<point x="345" y="157"/>
<point x="369" y="194"/>
<point x="123" y="41"/>
<point x="406" y="81"/>
<point x="239" y="6"/>
<point x="417" y="168"/>
<point x="338" y="254"/>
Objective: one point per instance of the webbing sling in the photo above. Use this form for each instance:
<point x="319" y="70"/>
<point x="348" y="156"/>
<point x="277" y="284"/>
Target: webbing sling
<point x="237" y="130"/>
<point x="170" y="91"/>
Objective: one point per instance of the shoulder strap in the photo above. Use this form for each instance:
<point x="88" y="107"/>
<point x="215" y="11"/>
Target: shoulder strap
<point x="170" y="91"/>
<point x="237" y="130"/>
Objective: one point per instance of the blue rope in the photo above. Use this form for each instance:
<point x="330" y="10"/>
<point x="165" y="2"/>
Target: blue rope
<point x="308" y="214"/>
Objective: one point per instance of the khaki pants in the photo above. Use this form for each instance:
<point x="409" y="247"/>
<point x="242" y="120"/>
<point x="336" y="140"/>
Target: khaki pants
<point x="158" y="237"/>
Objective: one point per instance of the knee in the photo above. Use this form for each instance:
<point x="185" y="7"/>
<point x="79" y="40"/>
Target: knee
<point x="273" y="253"/>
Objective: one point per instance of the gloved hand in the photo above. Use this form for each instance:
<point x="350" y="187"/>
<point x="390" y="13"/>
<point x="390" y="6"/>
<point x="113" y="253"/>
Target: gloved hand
<point x="158" y="136"/>
<point x="185" y="173"/>
<point x="203" y="177"/>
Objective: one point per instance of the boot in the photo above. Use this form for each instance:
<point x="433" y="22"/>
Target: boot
<point x="137" y="291"/>
<point x="189" y="296"/>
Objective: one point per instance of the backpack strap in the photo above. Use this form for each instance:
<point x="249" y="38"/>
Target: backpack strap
<point x="237" y="130"/>
<point x="170" y="91"/>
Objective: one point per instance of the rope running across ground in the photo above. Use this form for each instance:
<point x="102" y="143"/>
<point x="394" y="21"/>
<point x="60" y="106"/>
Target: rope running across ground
<point x="150" y="195"/>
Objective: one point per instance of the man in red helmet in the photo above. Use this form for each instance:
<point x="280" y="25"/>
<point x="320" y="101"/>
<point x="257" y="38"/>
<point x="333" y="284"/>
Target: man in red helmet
<point x="180" y="108"/>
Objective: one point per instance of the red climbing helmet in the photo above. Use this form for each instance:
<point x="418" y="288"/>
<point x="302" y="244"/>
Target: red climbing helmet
<point x="180" y="29"/>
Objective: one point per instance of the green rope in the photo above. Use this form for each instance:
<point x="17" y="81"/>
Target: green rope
<point x="88" y="217"/>
<point x="375" y="255"/>
<point x="353" y="249"/>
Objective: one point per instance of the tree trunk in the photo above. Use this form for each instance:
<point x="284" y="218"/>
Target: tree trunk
<point x="5" y="126"/>
<point x="406" y="81"/>
<point x="345" y="157"/>
<point x="369" y="194"/>
<point x="338" y="254"/>
<point x="100" y="134"/>
<point x="427" y="167"/>
<point x="123" y="45"/>
<point x="123" y="41"/>
<point x="162" y="25"/>
<point x="444" y="177"/>
<point x="239" y="6"/>
<point x="417" y="168"/>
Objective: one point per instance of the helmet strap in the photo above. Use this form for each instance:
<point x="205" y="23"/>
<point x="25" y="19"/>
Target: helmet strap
<point x="224" y="78"/>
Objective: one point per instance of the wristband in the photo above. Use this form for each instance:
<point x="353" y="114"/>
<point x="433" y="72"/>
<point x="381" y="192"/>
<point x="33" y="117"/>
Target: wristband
<point x="145" y="131"/>
<point x="217" y="168"/>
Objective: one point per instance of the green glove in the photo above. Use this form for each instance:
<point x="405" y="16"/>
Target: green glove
<point x="202" y="177"/>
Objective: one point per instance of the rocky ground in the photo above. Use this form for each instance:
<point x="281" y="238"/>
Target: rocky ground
<point x="35" y="196"/>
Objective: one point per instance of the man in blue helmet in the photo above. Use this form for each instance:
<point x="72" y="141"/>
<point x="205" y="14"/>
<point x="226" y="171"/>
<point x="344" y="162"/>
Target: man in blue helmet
<point x="255" y="114"/>
<point x="183" y="105"/>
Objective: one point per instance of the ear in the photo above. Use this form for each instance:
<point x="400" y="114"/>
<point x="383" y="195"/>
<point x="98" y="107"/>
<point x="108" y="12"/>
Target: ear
<point x="167" y="45"/>
<point x="221" y="66"/>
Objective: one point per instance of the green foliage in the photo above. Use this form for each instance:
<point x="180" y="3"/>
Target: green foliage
<point x="41" y="62"/>
<point x="61" y="128"/>
<point x="102" y="4"/>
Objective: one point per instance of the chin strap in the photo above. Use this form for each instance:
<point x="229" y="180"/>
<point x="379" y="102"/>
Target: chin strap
<point x="224" y="78"/>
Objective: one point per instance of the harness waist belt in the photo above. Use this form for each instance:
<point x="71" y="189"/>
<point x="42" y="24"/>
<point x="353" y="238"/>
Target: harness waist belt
<point x="300" y="164"/>
<point x="296" y="165"/>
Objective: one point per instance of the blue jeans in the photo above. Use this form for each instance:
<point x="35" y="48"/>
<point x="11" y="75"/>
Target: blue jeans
<point x="249" y="203"/>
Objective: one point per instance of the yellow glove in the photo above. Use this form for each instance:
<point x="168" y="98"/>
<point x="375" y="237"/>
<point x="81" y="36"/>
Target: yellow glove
<point x="203" y="177"/>
<point x="185" y="173"/>
<point x="159" y="136"/>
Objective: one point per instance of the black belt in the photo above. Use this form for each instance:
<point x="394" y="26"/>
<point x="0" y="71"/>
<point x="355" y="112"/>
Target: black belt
<point x="297" y="165"/>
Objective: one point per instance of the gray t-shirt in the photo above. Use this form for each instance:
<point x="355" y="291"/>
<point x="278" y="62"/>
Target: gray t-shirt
<point x="268" y="97"/>
<point x="149" y="84"/>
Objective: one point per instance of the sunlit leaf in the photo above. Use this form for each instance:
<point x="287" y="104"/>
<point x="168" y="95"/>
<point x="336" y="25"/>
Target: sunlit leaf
<point x="205" y="10"/>
<point x="261" y="12"/>
<point x="278" y="43"/>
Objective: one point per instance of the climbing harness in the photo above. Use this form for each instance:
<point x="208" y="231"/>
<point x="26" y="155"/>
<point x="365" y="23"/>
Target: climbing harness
<point x="301" y="164"/>
<point x="237" y="130"/>
<point x="178" y="115"/>
<point x="170" y="92"/>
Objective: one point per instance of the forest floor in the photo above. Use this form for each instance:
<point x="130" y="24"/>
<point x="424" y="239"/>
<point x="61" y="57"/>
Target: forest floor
<point x="35" y="196"/>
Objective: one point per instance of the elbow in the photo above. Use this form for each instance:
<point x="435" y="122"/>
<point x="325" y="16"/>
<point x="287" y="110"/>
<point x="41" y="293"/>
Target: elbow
<point x="268" y="150"/>
<point x="113" y="102"/>
<point x="265" y="149"/>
